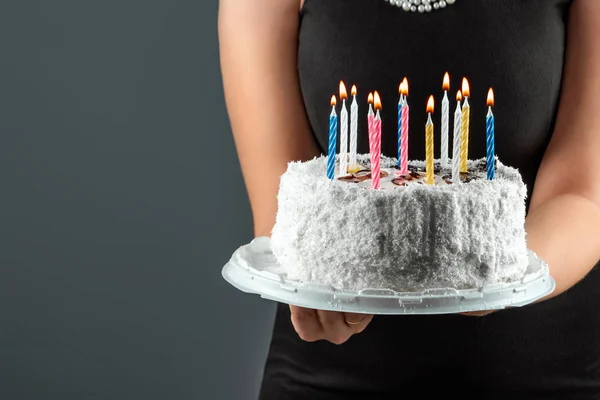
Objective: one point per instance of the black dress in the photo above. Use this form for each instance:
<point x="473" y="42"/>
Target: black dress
<point x="549" y="350"/>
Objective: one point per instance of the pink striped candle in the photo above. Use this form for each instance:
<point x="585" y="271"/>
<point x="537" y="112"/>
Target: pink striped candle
<point x="375" y="144"/>
<point x="404" y="133"/>
<point x="370" y="119"/>
<point x="343" y="131"/>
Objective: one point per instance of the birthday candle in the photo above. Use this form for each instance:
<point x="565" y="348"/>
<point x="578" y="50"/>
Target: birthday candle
<point x="400" y="104"/>
<point x="490" y="138"/>
<point x="353" y="131"/>
<point x="375" y="144"/>
<point x="343" y="131"/>
<point x="457" y="138"/>
<point x="429" y="167"/>
<point x="405" y="124"/>
<point x="370" y="116"/>
<point x="445" y="121"/>
<point x="333" y="127"/>
<point x="466" y="116"/>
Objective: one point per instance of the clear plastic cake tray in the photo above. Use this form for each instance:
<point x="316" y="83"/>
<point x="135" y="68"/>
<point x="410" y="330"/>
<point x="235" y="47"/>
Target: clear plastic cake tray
<point x="253" y="269"/>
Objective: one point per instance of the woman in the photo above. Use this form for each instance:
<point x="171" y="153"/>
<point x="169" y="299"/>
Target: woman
<point x="282" y="61"/>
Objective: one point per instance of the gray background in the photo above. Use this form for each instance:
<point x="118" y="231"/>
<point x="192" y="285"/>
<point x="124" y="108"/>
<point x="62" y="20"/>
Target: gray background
<point x="121" y="201"/>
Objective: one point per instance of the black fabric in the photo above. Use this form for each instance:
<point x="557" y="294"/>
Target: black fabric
<point x="549" y="350"/>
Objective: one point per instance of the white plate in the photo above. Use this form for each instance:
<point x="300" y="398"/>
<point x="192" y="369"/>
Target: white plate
<point x="253" y="269"/>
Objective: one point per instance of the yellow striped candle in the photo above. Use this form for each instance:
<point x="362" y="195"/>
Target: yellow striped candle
<point x="466" y="116"/>
<point x="429" y="169"/>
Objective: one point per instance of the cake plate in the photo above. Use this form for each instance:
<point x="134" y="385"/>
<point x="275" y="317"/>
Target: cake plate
<point x="253" y="269"/>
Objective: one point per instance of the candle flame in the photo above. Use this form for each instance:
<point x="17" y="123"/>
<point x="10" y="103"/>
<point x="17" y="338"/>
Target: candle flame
<point x="490" y="98"/>
<point x="404" y="87"/>
<point x="459" y="96"/>
<point x="343" y="93"/>
<point x="430" y="104"/>
<point x="333" y="101"/>
<point x="370" y="98"/>
<point x="377" y="101"/>
<point x="446" y="85"/>
<point x="466" y="90"/>
<point x="354" y="91"/>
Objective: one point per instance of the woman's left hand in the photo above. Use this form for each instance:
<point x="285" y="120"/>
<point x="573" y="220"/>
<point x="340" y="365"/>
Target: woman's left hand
<point x="478" y="313"/>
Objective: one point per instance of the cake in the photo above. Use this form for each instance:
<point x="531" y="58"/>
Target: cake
<point x="406" y="236"/>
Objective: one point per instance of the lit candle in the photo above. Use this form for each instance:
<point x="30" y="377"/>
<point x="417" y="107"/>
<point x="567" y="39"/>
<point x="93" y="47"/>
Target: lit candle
<point x="400" y="104"/>
<point x="466" y="116"/>
<point x="490" y="139"/>
<point x="333" y="127"/>
<point x="457" y="139"/>
<point x="445" y="121"/>
<point x="353" y="131"/>
<point x="370" y="116"/>
<point x="375" y="144"/>
<point x="405" y="124"/>
<point x="343" y="131"/>
<point x="429" y="168"/>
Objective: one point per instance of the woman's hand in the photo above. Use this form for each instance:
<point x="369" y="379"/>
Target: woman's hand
<point x="563" y="222"/>
<point x="478" y="313"/>
<point x="335" y="327"/>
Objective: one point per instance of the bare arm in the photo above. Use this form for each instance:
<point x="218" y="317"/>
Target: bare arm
<point x="563" y="224"/>
<point x="258" y="45"/>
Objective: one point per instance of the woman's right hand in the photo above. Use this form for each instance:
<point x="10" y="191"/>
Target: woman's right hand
<point x="258" y="43"/>
<point x="335" y="327"/>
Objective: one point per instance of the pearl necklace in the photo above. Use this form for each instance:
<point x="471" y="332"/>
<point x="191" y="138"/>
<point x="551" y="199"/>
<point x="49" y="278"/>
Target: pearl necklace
<point x="421" y="5"/>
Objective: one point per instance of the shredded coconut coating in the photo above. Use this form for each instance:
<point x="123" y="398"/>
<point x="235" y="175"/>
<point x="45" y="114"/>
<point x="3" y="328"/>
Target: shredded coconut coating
<point x="404" y="238"/>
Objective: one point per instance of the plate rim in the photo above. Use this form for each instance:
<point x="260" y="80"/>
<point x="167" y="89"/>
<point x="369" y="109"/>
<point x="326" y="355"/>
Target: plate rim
<point x="243" y="276"/>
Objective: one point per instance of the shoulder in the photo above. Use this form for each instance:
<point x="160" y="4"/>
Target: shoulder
<point x="301" y="4"/>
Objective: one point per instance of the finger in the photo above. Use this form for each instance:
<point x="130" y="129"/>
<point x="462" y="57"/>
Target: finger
<point x="334" y="326"/>
<point x="478" y="313"/>
<point x="306" y="323"/>
<point x="357" y="322"/>
<point x="354" y="319"/>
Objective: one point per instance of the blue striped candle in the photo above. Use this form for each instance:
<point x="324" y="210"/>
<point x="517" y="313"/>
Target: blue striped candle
<point x="333" y="128"/>
<point x="490" y="138"/>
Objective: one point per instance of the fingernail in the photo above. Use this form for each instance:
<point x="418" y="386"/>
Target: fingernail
<point x="354" y="319"/>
